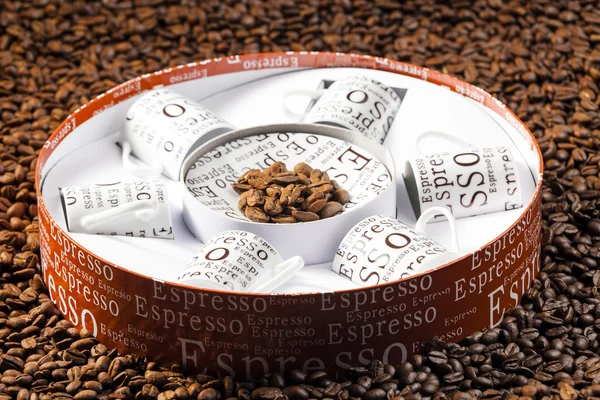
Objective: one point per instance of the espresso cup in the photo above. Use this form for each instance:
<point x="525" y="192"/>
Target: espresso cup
<point x="357" y="103"/>
<point x="161" y="128"/>
<point x="134" y="209"/>
<point x="469" y="181"/>
<point x="239" y="261"/>
<point x="381" y="249"/>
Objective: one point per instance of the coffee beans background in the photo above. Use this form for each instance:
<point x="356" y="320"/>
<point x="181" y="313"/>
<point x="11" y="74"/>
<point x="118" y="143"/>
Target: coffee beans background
<point x="542" y="58"/>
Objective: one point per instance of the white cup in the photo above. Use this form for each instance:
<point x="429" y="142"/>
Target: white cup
<point x="381" y="249"/>
<point x="134" y="209"/>
<point x="161" y="128"/>
<point x="357" y="103"/>
<point x="469" y="181"/>
<point x="239" y="261"/>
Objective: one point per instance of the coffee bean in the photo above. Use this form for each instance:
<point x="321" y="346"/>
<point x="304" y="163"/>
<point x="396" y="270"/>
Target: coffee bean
<point x="295" y="376"/>
<point x="490" y="337"/>
<point x="303" y="168"/>
<point x="279" y="179"/>
<point x="155" y="378"/>
<point x="332" y="389"/>
<point x="317" y="205"/>
<point x="581" y="343"/>
<point x="212" y="394"/>
<point x="305" y="216"/>
<point x="374" y="394"/>
<point x="265" y="393"/>
<point x="16" y="210"/>
<point x="86" y="395"/>
<point x="551" y="355"/>
<point x="482" y="382"/>
<point x="356" y="390"/>
<point x="341" y="196"/>
<point x="437" y="357"/>
<point x="295" y="393"/>
<point x="240" y="188"/>
<point x="376" y="369"/>
<point x="283" y="219"/>
<point x="272" y="206"/>
<point x="403" y="369"/>
<point x="256" y="214"/>
<point x="330" y="209"/>
<point x="365" y="381"/>
<point x="421" y="376"/>
<point x="320" y="187"/>
<point x="389" y="386"/>
<point x="453" y="377"/>
<point x="83" y="344"/>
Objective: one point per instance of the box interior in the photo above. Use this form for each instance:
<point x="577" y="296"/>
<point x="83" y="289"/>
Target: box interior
<point x="90" y="155"/>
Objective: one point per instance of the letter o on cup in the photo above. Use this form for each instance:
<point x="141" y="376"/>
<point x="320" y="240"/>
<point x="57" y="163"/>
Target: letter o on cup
<point x="466" y="163"/>
<point x="173" y="110"/>
<point x="356" y="101"/>
<point x="169" y="146"/>
<point x="143" y="196"/>
<point x="390" y="242"/>
<point x="262" y="255"/>
<point x="224" y="253"/>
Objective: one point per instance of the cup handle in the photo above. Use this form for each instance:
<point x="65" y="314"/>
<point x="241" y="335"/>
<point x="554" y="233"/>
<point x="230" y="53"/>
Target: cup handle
<point x="281" y="273"/>
<point x="143" y="209"/>
<point x="312" y="94"/>
<point x="138" y="170"/>
<point x="442" y="135"/>
<point x="421" y="225"/>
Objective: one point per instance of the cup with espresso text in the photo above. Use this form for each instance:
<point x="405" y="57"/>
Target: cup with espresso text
<point x="469" y="181"/>
<point x="134" y="209"/>
<point x="161" y="128"/>
<point x="357" y="103"/>
<point x="381" y="249"/>
<point x="239" y="261"/>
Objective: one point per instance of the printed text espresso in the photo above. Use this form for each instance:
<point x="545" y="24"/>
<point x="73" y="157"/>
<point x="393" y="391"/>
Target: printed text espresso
<point x="472" y="187"/>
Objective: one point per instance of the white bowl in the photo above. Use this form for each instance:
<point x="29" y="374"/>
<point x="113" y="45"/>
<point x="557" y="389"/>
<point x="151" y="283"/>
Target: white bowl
<point x="363" y="167"/>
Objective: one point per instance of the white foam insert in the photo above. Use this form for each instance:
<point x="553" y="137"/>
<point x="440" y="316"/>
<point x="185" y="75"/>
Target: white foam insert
<point x="90" y="155"/>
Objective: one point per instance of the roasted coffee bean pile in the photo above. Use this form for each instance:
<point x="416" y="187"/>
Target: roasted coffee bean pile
<point x="285" y="197"/>
<point x="540" y="57"/>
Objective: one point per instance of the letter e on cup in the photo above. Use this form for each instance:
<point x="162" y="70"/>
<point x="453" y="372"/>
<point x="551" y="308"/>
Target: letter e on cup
<point x="351" y="156"/>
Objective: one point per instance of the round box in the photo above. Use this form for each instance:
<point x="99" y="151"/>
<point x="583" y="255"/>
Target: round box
<point x="119" y="289"/>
